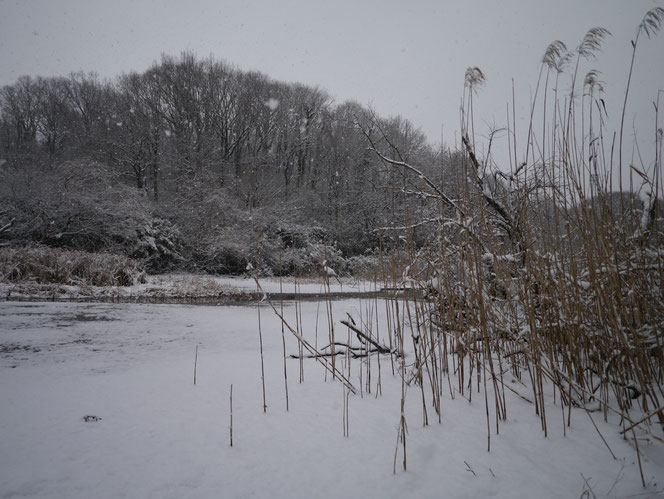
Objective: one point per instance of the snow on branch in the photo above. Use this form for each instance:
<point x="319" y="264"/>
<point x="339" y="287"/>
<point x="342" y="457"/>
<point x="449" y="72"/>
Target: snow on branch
<point x="7" y="226"/>
<point x="441" y="195"/>
<point x="509" y="224"/>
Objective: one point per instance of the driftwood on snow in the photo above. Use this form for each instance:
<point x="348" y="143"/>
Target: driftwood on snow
<point x="366" y="339"/>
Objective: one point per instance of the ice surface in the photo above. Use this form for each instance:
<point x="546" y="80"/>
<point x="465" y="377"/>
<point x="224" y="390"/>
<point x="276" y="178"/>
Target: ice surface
<point x="160" y="436"/>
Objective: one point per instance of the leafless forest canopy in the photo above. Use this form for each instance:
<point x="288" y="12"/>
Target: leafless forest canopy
<point x="196" y="165"/>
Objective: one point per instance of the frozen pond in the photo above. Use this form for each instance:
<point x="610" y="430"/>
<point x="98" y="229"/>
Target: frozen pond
<point x="160" y="436"/>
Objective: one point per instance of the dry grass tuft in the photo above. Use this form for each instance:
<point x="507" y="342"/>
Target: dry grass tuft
<point x="44" y="265"/>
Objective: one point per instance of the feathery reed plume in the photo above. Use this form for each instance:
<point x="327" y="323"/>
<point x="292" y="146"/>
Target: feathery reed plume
<point x="592" y="81"/>
<point x="650" y="25"/>
<point x="652" y="21"/>
<point x="592" y="42"/>
<point x="556" y="56"/>
<point x="474" y="77"/>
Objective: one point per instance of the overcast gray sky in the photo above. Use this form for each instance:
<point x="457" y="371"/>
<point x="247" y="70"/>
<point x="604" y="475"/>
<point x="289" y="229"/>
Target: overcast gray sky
<point x="401" y="57"/>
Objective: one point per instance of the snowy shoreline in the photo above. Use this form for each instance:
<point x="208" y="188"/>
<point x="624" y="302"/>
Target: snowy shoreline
<point x="186" y="289"/>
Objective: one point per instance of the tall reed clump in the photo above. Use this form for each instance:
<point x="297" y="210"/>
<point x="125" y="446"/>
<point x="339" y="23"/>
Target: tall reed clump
<point x="545" y="269"/>
<point x="46" y="265"/>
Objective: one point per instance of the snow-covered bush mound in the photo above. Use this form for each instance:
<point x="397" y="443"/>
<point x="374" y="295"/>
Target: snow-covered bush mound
<point x="80" y="205"/>
<point x="156" y="243"/>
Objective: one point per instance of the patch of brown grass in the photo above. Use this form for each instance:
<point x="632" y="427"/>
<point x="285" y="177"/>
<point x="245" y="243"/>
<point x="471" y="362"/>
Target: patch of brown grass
<point x="46" y="265"/>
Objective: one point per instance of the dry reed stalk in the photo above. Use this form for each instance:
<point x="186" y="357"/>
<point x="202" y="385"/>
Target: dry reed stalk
<point x="305" y="344"/>
<point x="328" y="310"/>
<point x="298" y="327"/>
<point x="260" y="340"/>
<point x="283" y="334"/>
<point x="379" y="382"/>
<point x="195" y="363"/>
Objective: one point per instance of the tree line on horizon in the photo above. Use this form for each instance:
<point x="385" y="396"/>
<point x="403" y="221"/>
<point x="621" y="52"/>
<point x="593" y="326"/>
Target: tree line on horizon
<point x="196" y="164"/>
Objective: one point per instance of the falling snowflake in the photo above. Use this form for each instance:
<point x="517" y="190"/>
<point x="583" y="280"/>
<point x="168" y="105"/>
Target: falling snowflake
<point x="272" y="103"/>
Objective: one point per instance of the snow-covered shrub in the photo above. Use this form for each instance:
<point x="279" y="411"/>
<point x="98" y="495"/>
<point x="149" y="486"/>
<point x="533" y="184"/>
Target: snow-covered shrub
<point x="81" y="205"/>
<point x="366" y="265"/>
<point x="224" y="253"/>
<point x="304" y="249"/>
<point x="157" y="244"/>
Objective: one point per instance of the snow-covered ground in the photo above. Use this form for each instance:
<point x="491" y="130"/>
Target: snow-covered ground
<point x="160" y="436"/>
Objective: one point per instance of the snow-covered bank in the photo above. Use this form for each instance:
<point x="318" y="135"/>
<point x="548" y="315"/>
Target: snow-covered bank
<point x="188" y="288"/>
<point x="161" y="436"/>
